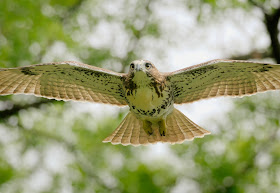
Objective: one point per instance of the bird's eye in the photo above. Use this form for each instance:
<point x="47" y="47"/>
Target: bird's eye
<point x="148" y="65"/>
<point x="131" y="66"/>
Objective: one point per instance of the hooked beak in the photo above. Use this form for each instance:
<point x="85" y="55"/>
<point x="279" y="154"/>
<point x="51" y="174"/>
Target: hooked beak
<point x="138" y="68"/>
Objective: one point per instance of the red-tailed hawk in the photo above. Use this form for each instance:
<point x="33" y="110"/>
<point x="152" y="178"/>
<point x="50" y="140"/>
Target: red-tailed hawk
<point x="150" y="94"/>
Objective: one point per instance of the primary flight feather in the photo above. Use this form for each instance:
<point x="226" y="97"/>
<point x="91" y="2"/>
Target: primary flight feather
<point x="150" y="94"/>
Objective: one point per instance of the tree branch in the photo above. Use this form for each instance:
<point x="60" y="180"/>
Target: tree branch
<point x="271" y="21"/>
<point x="253" y="55"/>
<point x="6" y="113"/>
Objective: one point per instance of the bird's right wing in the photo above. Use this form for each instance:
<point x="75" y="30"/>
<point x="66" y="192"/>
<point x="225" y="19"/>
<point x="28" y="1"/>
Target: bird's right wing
<point x="223" y="78"/>
<point x="64" y="81"/>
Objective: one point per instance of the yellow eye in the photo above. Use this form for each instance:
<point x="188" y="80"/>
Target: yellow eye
<point x="148" y="65"/>
<point x="132" y="66"/>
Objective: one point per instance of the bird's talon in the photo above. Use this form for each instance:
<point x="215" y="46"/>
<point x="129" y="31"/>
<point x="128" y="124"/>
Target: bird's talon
<point x="147" y="126"/>
<point x="162" y="128"/>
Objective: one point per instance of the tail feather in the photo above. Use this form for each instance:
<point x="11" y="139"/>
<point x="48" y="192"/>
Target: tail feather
<point x="174" y="133"/>
<point x="135" y="134"/>
<point x="184" y="127"/>
<point x="127" y="132"/>
<point x="179" y="129"/>
<point x="123" y="131"/>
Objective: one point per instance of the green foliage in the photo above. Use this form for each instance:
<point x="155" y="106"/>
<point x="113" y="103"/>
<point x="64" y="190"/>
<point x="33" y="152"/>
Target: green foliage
<point x="6" y="172"/>
<point x="24" y="24"/>
<point x="51" y="146"/>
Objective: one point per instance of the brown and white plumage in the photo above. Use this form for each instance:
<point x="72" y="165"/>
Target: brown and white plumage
<point x="131" y="132"/>
<point x="64" y="81"/>
<point x="151" y="95"/>
<point x="224" y="78"/>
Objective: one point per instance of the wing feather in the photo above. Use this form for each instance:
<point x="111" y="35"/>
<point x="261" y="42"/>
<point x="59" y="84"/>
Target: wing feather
<point x="64" y="81"/>
<point x="223" y="78"/>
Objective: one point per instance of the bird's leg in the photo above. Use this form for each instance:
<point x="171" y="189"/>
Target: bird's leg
<point x="162" y="127"/>
<point x="147" y="125"/>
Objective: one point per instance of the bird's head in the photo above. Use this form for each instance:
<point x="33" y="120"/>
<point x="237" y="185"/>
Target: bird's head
<point x="142" y="67"/>
<point x="143" y="72"/>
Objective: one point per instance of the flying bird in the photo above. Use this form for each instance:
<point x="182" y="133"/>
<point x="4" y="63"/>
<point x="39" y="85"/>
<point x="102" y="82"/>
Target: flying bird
<point x="150" y="94"/>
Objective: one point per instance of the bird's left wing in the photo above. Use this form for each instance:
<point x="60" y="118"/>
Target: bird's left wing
<point x="223" y="78"/>
<point x="64" y="81"/>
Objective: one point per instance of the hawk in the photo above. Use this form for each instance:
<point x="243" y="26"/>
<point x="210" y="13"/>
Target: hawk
<point x="150" y="94"/>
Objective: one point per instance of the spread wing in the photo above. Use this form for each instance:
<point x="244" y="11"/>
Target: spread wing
<point x="64" y="81"/>
<point x="223" y="78"/>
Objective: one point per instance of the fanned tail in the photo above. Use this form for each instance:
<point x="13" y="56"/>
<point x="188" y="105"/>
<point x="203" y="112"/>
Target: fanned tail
<point x="179" y="129"/>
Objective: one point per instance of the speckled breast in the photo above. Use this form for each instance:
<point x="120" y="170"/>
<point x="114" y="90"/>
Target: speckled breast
<point x="150" y="101"/>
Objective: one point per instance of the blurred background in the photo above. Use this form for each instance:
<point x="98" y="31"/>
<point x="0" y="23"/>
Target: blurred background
<point x="50" y="146"/>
